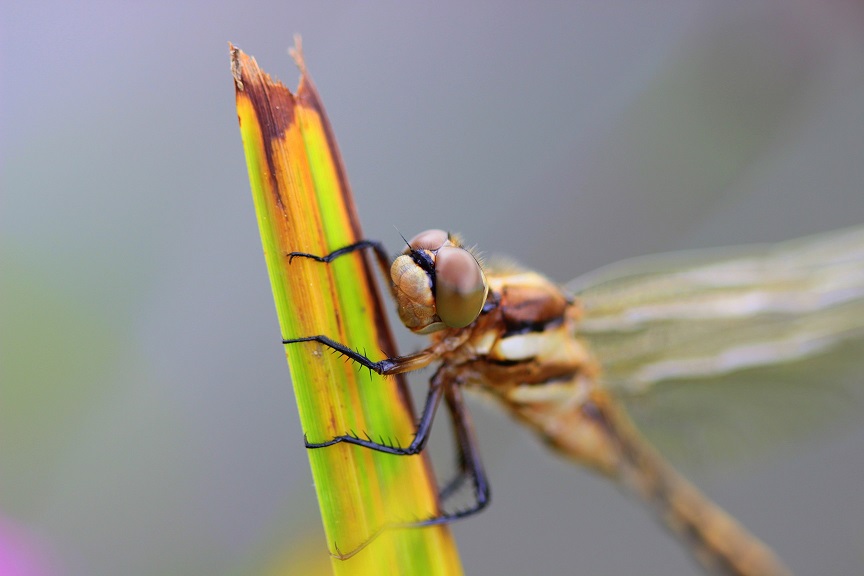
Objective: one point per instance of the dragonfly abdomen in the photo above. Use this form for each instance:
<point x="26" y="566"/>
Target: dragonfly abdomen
<point x="592" y="430"/>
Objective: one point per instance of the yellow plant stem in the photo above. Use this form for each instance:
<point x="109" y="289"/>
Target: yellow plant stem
<point x="303" y="203"/>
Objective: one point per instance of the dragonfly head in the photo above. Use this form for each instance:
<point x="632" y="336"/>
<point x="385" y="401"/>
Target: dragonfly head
<point x="438" y="283"/>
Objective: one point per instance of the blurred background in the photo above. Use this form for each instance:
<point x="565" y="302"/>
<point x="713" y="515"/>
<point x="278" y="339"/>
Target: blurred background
<point x="147" y="422"/>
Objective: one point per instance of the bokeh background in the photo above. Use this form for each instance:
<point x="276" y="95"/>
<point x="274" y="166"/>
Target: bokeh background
<point x="147" y="423"/>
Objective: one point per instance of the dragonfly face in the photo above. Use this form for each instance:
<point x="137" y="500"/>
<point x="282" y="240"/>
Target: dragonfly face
<point x="437" y="283"/>
<point x="518" y="336"/>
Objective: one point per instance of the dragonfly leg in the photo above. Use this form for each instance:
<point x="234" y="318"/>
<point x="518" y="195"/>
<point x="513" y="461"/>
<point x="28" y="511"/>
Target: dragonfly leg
<point x="463" y="466"/>
<point x="381" y="256"/>
<point x="470" y="464"/>
<point x="387" y="366"/>
<point x="468" y="459"/>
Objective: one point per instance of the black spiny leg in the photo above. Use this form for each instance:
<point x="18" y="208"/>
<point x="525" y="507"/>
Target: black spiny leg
<point x="470" y="465"/>
<point x="387" y="366"/>
<point x="380" y="255"/>
<point x="463" y="466"/>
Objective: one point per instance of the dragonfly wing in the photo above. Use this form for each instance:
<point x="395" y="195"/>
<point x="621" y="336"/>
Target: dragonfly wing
<point x="765" y="341"/>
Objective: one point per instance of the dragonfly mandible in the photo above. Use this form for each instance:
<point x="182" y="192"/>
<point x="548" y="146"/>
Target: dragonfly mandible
<point x="528" y="342"/>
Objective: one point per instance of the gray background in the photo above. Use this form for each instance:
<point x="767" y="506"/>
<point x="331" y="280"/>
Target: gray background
<point x="147" y="423"/>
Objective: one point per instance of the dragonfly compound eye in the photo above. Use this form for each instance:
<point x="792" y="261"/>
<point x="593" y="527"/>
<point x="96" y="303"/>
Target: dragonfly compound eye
<point x="429" y="240"/>
<point x="460" y="286"/>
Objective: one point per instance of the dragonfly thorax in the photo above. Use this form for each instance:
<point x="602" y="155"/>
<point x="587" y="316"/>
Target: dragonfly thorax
<point x="437" y="283"/>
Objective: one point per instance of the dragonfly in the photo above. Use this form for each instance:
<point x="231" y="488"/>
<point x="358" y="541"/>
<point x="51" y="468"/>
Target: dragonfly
<point x="568" y="361"/>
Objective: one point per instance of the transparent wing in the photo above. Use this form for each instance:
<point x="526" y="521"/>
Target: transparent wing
<point x="733" y="347"/>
